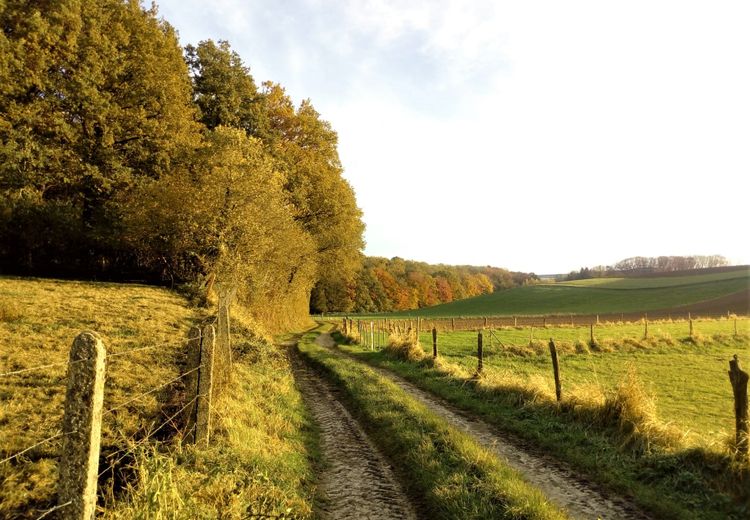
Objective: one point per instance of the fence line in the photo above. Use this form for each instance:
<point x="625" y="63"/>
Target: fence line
<point x="155" y="389"/>
<point x="48" y="439"/>
<point x="78" y="458"/>
<point x="56" y="508"/>
<point x="738" y="377"/>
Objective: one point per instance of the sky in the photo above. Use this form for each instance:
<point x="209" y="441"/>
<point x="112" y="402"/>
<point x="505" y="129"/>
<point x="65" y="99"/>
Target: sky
<point x="539" y="136"/>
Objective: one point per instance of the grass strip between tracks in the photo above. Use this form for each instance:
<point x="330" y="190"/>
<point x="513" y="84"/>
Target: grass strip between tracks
<point x="453" y="476"/>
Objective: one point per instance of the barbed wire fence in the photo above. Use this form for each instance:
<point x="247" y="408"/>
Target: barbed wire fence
<point x="363" y="332"/>
<point x="206" y="374"/>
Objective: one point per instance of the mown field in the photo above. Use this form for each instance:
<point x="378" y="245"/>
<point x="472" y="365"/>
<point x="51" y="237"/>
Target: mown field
<point x="606" y="295"/>
<point x="264" y="443"/>
<point x="687" y="377"/>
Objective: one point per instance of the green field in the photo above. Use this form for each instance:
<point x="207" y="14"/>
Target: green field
<point x="687" y="377"/>
<point x="598" y="296"/>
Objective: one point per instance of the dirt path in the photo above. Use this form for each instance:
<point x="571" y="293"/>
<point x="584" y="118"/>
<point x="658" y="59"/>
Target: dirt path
<point x="357" y="482"/>
<point x="582" y="499"/>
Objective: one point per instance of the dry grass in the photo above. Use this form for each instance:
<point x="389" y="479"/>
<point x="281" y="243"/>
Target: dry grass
<point x="50" y="313"/>
<point x="259" y="462"/>
<point x="405" y="347"/>
<point x="628" y="407"/>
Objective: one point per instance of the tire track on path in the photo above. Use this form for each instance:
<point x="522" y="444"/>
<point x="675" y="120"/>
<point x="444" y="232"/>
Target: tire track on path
<point x="580" y="498"/>
<point x="357" y="482"/>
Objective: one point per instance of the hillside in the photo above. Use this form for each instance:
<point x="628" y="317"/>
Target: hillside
<point x="146" y="470"/>
<point x="712" y="293"/>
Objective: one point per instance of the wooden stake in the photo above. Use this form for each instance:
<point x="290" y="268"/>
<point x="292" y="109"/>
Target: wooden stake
<point x="556" y="369"/>
<point x="738" y="378"/>
<point x="479" y="352"/>
<point x="434" y="343"/>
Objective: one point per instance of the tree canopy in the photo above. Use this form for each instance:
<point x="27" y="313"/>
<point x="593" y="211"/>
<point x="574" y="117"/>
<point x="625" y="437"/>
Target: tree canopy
<point x="124" y="157"/>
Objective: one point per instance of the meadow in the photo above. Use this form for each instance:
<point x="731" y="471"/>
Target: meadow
<point x="604" y="296"/>
<point x="261" y="459"/>
<point x="686" y="376"/>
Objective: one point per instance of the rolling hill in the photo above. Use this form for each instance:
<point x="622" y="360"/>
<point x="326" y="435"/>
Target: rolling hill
<point x="706" y="292"/>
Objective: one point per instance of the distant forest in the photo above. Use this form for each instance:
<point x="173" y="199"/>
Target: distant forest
<point x="397" y="284"/>
<point x="641" y="265"/>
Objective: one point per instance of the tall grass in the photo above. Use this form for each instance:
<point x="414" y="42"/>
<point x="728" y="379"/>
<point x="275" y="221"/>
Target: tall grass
<point x="613" y="433"/>
<point x="264" y="445"/>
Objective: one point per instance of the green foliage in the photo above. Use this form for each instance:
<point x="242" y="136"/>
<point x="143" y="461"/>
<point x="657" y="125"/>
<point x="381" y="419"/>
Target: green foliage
<point x="121" y="158"/>
<point x="391" y="285"/>
<point x="95" y="97"/>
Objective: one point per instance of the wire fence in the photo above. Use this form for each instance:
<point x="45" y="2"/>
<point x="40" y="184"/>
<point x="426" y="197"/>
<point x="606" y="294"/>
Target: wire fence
<point x="177" y="420"/>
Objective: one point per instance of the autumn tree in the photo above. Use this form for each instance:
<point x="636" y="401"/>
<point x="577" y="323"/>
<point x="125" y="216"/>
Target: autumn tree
<point x="94" y="99"/>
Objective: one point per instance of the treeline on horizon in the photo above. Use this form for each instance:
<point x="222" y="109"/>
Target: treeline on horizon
<point x="641" y="265"/>
<point x="384" y="285"/>
<point x="126" y="157"/>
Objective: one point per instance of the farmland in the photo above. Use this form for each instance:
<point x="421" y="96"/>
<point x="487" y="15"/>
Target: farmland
<point x="713" y="293"/>
<point x="652" y="417"/>
<point x="686" y="376"/>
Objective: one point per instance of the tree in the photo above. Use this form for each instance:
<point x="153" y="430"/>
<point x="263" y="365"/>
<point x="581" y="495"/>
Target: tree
<point x="97" y="98"/>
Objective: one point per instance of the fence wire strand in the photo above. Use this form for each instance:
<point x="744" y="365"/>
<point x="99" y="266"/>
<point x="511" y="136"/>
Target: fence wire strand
<point x="48" y="511"/>
<point x="155" y="389"/>
<point x="127" y="451"/>
<point x="108" y="356"/>
<point x="149" y="347"/>
<point x="48" y="439"/>
<point x="42" y="367"/>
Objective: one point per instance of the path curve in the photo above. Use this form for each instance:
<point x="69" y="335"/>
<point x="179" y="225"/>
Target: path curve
<point x="356" y="482"/>
<point x="580" y="498"/>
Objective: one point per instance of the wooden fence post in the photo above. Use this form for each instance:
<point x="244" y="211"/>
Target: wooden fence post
<point x="372" y="335"/>
<point x="515" y="321"/>
<point x="453" y="324"/>
<point x="544" y="322"/>
<point x="485" y="322"/>
<point x="223" y="361"/>
<point x="82" y="427"/>
<point x="591" y="335"/>
<point x="479" y="352"/>
<point x="531" y="335"/>
<point x="645" y="326"/>
<point x="205" y="387"/>
<point x="735" y="327"/>
<point x="192" y="379"/>
<point x="434" y="343"/>
<point x="738" y="378"/>
<point x="556" y="369"/>
<point x="691" y="327"/>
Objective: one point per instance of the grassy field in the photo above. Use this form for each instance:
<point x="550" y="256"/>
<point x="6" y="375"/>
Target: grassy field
<point x="264" y="443"/>
<point x="453" y="476"/>
<point x="686" y="376"/>
<point x="615" y="436"/>
<point x="654" y="282"/>
<point x="599" y="296"/>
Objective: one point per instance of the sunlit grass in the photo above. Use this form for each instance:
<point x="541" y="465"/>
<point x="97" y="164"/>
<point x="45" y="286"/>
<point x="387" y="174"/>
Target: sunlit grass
<point x="686" y="376"/>
<point x="264" y="444"/>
